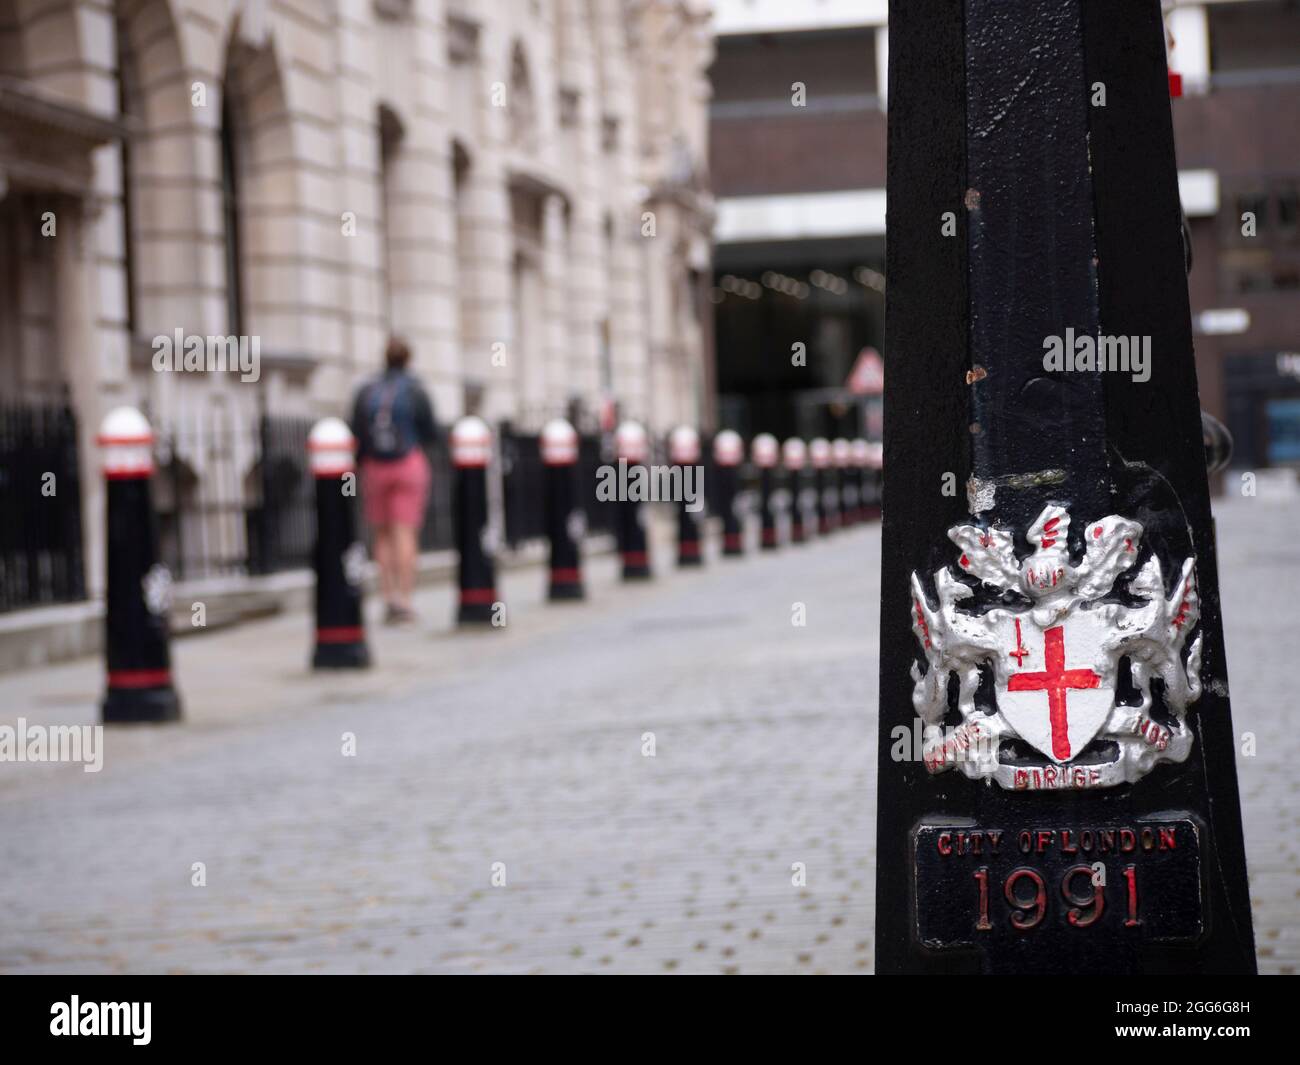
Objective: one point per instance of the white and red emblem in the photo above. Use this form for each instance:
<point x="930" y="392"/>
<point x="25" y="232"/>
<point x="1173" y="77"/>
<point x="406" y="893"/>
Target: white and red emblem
<point x="1053" y="642"/>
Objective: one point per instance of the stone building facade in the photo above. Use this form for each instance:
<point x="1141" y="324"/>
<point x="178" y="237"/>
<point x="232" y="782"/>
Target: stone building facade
<point x="518" y="187"/>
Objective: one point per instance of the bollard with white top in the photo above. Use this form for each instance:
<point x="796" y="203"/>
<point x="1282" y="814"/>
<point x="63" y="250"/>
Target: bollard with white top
<point x="339" y="557"/>
<point x="766" y="453"/>
<point x="794" y="457"/>
<point x="632" y="448"/>
<point x="471" y="454"/>
<point x="846" y="482"/>
<point x="728" y="452"/>
<point x="137" y="653"/>
<point x="565" y="520"/>
<point x="684" y="451"/>
<point x="819" y="453"/>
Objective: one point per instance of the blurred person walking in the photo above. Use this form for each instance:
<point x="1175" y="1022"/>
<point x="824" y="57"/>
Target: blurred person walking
<point x="392" y="419"/>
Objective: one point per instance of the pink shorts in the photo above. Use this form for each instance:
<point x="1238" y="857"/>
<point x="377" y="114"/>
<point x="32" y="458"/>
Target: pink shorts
<point x="395" y="492"/>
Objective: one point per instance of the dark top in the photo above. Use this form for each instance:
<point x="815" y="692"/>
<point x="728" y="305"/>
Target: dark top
<point x="391" y="416"/>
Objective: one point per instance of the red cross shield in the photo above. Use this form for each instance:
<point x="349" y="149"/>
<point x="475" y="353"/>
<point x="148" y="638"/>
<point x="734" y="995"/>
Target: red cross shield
<point x="1055" y="697"/>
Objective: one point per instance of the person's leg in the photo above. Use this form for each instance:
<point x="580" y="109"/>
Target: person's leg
<point x="384" y="560"/>
<point x="376" y="494"/>
<point x="405" y="549"/>
<point x="409" y="497"/>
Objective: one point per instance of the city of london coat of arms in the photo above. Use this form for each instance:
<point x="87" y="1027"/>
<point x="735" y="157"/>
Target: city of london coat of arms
<point x="1053" y="642"/>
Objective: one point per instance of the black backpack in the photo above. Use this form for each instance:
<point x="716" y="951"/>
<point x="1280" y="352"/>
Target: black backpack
<point x="390" y="422"/>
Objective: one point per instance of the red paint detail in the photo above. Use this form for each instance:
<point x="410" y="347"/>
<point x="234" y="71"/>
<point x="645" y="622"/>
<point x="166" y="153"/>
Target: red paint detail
<point x="1049" y="532"/>
<point x="139" y="678"/>
<point x="566" y="576"/>
<point x="470" y="464"/>
<point x="1128" y="544"/>
<point x="965" y="562"/>
<point x="986" y="540"/>
<point x="108" y="441"/>
<point x="1056" y="681"/>
<point x="1021" y="652"/>
<point x="635" y="558"/>
<point x="689" y="549"/>
<point x="1175" y="85"/>
<point x="136" y="474"/>
<point x="1096" y="533"/>
<point x="341" y="634"/>
<point x="920" y="620"/>
<point x="769" y="536"/>
<point x="731" y="541"/>
<point x="478" y="596"/>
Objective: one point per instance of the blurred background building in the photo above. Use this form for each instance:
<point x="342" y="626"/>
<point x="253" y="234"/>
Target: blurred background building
<point x="798" y="161"/>
<point x="528" y="191"/>
<point x="518" y="187"/>
<point x="1237" y="129"/>
<point x="797" y="148"/>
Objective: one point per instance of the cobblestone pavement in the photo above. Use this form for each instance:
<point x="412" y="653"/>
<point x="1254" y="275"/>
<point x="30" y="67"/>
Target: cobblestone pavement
<point x="525" y="747"/>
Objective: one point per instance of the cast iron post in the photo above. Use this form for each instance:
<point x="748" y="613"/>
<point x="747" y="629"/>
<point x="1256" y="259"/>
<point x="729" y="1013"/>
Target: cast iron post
<point x="1057" y="784"/>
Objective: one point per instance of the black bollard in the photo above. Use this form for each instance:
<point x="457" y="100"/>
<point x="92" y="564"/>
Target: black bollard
<point x="728" y="450"/>
<point x="139" y="586"/>
<point x="565" y="520"/>
<point x="684" y="452"/>
<point x="765" y="452"/>
<point x="846" y="482"/>
<point x="794" y="456"/>
<point x="632" y="449"/>
<point x="471" y="453"/>
<point x="819" y="452"/>
<point x="339" y="556"/>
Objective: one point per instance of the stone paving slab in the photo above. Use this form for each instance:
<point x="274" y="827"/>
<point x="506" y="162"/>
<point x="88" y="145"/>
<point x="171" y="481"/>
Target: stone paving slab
<point x="524" y="747"/>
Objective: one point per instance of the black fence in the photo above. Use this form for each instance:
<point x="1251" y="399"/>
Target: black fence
<point x="282" y="523"/>
<point x="207" y="493"/>
<point x="521" y="484"/>
<point x="232" y="497"/>
<point x="438" y="533"/>
<point x="40" y="507"/>
<point x="235" y="498"/>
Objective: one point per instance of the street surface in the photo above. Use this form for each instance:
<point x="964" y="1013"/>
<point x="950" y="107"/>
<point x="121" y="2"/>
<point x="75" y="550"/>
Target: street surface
<point x="499" y="814"/>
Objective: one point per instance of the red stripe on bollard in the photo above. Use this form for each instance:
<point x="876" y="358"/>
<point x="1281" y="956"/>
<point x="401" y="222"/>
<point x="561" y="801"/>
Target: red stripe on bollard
<point x="139" y="678"/>
<point x="732" y="541"/>
<point x="478" y="596"/>
<point x="341" y="634"/>
<point x="636" y="558"/>
<point x="566" y="576"/>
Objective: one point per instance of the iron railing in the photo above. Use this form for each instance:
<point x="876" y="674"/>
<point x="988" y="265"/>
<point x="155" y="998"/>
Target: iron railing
<point x="40" y="507"/>
<point x="522" y="484"/>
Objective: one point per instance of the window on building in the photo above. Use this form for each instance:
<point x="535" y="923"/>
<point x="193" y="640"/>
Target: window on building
<point x="230" y="216"/>
<point x="390" y="141"/>
<point x="520" y="105"/>
<point x="753" y="75"/>
<point x="1266" y="258"/>
<point x="1254" y="44"/>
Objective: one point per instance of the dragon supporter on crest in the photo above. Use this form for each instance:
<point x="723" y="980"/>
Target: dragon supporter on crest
<point x="1054" y="641"/>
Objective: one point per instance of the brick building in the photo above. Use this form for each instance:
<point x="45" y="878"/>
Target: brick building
<point x="516" y="186"/>
<point x="1237" y="128"/>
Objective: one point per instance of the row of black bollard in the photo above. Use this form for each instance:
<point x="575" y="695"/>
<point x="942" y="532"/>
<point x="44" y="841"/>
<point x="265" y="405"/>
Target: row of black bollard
<point x="139" y="683"/>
